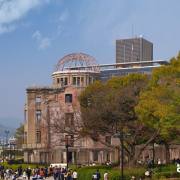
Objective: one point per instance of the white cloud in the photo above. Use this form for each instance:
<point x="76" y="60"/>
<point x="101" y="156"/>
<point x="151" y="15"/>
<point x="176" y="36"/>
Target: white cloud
<point x="43" y="42"/>
<point x="64" y="16"/>
<point x="13" y="10"/>
<point x="5" y="29"/>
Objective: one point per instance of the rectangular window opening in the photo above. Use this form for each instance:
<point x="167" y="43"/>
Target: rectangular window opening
<point x="38" y="136"/>
<point x="68" y="98"/>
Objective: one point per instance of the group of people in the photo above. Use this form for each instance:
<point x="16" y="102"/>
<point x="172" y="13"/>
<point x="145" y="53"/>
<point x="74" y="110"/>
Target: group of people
<point x="9" y="173"/>
<point x="37" y="173"/>
<point x="63" y="174"/>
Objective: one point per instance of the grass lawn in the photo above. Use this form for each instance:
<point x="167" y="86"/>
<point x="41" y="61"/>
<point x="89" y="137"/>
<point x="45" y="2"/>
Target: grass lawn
<point x="159" y="173"/>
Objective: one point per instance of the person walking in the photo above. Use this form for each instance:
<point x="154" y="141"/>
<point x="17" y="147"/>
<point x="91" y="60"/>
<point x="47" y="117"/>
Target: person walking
<point x="105" y="176"/>
<point x="98" y="175"/>
<point x="74" y="175"/>
<point x="28" y="173"/>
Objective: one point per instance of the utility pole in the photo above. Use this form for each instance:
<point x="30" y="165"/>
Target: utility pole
<point x="122" y="154"/>
<point x="6" y="143"/>
<point x="67" y="155"/>
<point x="153" y="154"/>
<point x="120" y="135"/>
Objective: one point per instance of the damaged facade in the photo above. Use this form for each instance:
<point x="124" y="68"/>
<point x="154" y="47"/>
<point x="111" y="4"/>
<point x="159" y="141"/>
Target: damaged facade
<point x="53" y="117"/>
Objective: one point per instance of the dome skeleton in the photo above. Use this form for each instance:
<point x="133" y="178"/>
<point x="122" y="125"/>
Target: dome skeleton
<point x="77" y="61"/>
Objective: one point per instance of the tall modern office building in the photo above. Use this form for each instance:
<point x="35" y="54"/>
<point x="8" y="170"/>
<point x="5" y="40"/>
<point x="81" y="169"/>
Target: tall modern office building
<point x="133" y="50"/>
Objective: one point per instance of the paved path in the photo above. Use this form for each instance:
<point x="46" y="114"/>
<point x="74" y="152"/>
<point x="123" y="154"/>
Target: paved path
<point x="49" y="178"/>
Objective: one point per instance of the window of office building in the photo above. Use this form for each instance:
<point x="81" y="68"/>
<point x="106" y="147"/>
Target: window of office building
<point x="38" y="136"/>
<point x="68" y="98"/>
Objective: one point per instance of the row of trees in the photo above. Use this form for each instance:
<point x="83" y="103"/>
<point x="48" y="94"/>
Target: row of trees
<point x="147" y="107"/>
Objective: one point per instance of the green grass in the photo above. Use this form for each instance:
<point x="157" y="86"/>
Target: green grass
<point x="85" y="173"/>
<point x="168" y="171"/>
<point x="159" y="173"/>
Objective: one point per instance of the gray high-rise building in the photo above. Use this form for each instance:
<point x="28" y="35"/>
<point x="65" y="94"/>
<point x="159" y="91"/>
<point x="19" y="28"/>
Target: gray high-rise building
<point x="133" y="50"/>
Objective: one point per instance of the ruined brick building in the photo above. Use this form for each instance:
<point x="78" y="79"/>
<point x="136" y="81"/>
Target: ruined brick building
<point x="53" y="116"/>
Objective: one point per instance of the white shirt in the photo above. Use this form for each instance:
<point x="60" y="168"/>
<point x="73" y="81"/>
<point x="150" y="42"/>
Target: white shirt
<point x="105" y="176"/>
<point x="74" y="174"/>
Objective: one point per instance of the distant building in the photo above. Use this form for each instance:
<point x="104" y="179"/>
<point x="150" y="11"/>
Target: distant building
<point x="133" y="50"/>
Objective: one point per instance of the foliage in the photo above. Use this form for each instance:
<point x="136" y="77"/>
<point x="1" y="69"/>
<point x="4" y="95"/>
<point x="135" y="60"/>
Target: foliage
<point x="159" y="104"/>
<point x="168" y="171"/>
<point x="19" y="135"/>
<point x="23" y="165"/>
<point x="109" y="107"/>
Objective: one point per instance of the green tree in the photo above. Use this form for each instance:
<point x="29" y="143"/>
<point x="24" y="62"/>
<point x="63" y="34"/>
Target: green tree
<point x="159" y="105"/>
<point x="109" y="107"/>
<point x="19" y="135"/>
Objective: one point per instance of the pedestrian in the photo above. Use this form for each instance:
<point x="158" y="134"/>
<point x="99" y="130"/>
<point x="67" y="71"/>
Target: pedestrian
<point x="105" y="176"/>
<point x="159" y="162"/>
<point x="98" y="175"/>
<point x="24" y="175"/>
<point x="94" y="176"/>
<point x="74" y="175"/>
<point x="69" y="177"/>
<point x="28" y="172"/>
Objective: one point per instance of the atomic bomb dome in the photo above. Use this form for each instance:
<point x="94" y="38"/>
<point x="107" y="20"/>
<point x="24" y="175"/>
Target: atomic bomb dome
<point x="76" y="69"/>
<point x="76" y="61"/>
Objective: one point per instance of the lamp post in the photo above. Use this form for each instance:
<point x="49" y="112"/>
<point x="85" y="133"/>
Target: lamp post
<point x="120" y="135"/>
<point x="153" y="154"/>
<point x="68" y="139"/>
<point x="67" y="144"/>
<point x="7" y="133"/>
<point x="67" y="154"/>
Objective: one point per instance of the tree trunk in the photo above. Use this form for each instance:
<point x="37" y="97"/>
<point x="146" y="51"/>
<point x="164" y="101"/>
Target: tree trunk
<point x="167" y="153"/>
<point x="153" y="137"/>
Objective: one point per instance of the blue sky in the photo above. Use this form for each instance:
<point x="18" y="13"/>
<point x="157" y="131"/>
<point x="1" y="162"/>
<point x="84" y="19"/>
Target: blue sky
<point x="35" y="34"/>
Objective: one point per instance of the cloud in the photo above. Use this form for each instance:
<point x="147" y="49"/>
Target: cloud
<point x="64" y="16"/>
<point x="7" y="28"/>
<point x="43" y="42"/>
<point x="13" y="10"/>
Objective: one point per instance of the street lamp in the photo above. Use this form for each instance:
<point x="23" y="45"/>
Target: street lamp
<point x="68" y="143"/>
<point x="6" y="143"/>
<point x="120" y="135"/>
<point x="153" y="154"/>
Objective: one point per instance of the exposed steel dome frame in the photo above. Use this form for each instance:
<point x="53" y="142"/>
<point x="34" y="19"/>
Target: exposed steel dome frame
<point x="77" y="61"/>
